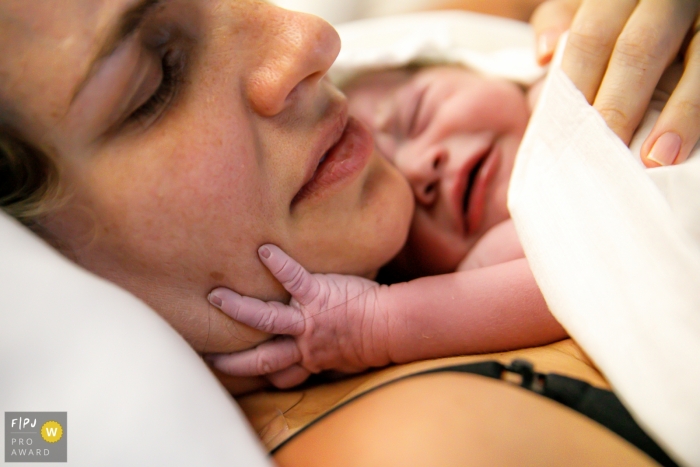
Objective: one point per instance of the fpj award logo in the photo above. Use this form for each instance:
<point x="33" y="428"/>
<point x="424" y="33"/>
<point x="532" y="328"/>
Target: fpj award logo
<point x="36" y="436"/>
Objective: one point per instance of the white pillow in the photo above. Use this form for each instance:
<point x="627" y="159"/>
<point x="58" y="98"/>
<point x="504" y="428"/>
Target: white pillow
<point x="135" y="393"/>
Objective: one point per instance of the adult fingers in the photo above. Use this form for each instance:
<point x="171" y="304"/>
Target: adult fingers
<point x="267" y="358"/>
<point x="289" y="377"/>
<point x="549" y="21"/>
<point x="269" y="317"/>
<point x="592" y="37"/>
<point x="293" y="277"/>
<point x="678" y="128"/>
<point x="648" y="43"/>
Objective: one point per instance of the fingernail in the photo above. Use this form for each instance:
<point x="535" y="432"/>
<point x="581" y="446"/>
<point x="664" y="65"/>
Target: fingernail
<point x="545" y="45"/>
<point x="215" y="300"/>
<point x="666" y="149"/>
<point x="264" y="252"/>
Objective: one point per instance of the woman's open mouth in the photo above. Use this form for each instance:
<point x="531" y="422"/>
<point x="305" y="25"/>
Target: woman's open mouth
<point x="474" y="197"/>
<point x="341" y="163"/>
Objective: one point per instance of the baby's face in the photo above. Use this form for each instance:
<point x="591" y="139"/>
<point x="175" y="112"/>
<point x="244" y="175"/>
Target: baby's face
<point x="454" y="135"/>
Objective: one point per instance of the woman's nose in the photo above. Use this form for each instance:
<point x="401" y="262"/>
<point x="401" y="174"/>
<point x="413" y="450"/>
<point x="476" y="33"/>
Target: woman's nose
<point x="424" y="172"/>
<point x="297" y="51"/>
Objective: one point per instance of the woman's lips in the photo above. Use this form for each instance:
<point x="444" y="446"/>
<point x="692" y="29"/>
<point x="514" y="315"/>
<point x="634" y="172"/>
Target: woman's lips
<point x="341" y="163"/>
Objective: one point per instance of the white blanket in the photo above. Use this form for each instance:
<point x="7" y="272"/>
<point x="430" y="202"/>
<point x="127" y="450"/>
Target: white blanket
<point x="613" y="246"/>
<point x="488" y="44"/>
<point x="615" y="249"/>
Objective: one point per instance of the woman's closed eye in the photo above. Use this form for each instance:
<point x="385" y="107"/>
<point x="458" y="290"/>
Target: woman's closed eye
<point x="171" y="79"/>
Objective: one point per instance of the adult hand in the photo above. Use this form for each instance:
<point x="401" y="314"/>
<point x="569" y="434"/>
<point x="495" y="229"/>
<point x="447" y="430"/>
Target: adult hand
<point x="333" y="322"/>
<point x="616" y="53"/>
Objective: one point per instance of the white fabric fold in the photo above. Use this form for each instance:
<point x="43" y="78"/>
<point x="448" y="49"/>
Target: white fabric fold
<point x="616" y="251"/>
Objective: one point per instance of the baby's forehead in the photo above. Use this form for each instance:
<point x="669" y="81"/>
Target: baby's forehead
<point x="446" y="72"/>
<point x="386" y="78"/>
<point x="392" y="79"/>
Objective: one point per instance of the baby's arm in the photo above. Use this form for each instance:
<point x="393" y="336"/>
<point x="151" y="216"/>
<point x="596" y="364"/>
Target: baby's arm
<point x="347" y="323"/>
<point x="499" y="245"/>
<point x="490" y="309"/>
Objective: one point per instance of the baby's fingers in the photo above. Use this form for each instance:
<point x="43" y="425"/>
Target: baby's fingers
<point x="292" y="275"/>
<point x="267" y="358"/>
<point x="289" y="377"/>
<point x="270" y="317"/>
<point x="678" y="127"/>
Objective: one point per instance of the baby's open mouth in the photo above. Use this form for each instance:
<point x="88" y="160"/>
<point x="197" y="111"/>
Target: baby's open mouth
<point x="476" y="186"/>
<point x="470" y="182"/>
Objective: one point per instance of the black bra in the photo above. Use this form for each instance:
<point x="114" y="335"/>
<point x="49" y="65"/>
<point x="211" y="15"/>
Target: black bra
<point x="597" y="404"/>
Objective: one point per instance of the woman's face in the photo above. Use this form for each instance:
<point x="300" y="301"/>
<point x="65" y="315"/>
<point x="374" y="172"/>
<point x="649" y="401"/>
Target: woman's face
<point x="454" y="135"/>
<point x="190" y="132"/>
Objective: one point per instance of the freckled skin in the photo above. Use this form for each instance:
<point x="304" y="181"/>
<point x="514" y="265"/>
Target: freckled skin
<point x="349" y="324"/>
<point x="217" y="276"/>
<point x="176" y="205"/>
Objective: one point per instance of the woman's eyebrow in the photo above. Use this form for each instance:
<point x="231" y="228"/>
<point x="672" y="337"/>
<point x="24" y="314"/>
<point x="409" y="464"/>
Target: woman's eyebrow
<point x="129" y="21"/>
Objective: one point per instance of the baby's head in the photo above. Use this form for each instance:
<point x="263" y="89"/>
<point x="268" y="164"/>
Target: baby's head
<point x="454" y="135"/>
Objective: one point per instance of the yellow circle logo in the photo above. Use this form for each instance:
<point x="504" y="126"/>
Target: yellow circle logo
<point x="51" y="431"/>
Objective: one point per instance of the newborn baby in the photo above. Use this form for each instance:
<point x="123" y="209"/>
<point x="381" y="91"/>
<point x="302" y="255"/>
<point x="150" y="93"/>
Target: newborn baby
<point x="454" y="135"/>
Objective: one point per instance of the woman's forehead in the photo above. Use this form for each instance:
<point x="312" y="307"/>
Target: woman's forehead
<point x="60" y="28"/>
<point x="47" y="48"/>
<point x="33" y="19"/>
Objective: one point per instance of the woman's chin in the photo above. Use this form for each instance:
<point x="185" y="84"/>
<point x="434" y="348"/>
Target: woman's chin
<point x="225" y="336"/>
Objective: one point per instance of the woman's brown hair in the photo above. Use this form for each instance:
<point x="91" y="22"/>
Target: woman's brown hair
<point x="28" y="178"/>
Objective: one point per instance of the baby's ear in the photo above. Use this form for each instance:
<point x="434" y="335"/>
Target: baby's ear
<point x="533" y="94"/>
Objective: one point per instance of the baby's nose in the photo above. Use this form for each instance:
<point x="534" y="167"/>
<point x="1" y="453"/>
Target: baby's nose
<point x="424" y="172"/>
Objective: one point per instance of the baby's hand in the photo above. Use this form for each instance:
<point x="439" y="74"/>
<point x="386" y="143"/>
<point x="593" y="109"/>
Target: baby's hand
<point x="333" y="322"/>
